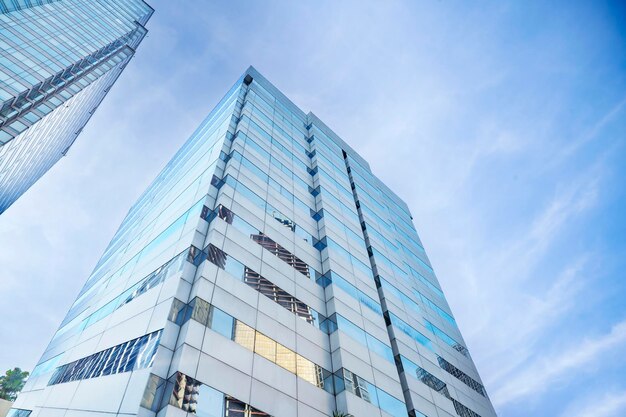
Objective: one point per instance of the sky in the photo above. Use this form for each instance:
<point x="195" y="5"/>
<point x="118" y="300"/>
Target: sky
<point x="502" y="124"/>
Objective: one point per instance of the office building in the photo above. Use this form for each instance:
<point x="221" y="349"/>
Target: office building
<point x="58" y="59"/>
<point x="265" y="272"/>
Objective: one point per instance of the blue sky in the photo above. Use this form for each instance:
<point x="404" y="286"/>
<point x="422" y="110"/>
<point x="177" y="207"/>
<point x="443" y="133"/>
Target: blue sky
<point x="503" y="125"/>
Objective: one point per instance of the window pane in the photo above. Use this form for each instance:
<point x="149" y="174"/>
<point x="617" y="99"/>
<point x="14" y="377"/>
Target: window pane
<point x="265" y="347"/>
<point x="222" y="322"/>
<point x="200" y="311"/>
<point x="154" y="391"/>
<point x="286" y="358"/>
<point x="244" y="335"/>
<point x="307" y="370"/>
<point x="185" y="393"/>
<point x="234" y="407"/>
<point x="391" y="404"/>
<point x="210" y="402"/>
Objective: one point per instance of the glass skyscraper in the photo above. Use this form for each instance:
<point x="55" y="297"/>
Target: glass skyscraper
<point x="265" y="272"/>
<point x="58" y="59"/>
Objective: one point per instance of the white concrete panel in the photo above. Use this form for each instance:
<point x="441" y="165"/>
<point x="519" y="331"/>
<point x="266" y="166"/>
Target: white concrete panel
<point x="281" y="315"/>
<point x="312" y="334"/>
<point x="134" y="391"/>
<point x="202" y="288"/>
<point x="101" y="394"/>
<point x="130" y="329"/>
<point x="224" y="378"/>
<point x="272" y="401"/>
<point x="274" y="330"/>
<point x="185" y="360"/>
<point x="357" y="406"/>
<point x="162" y="361"/>
<point x="51" y="412"/>
<point x="315" y="397"/>
<point x="273" y="375"/>
<point x="389" y="384"/>
<point x="236" y="307"/>
<point x="82" y="350"/>
<point x="227" y="351"/>
<point x="313" y="352"/>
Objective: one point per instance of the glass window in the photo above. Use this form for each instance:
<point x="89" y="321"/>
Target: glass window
<point x="200" y="310"/>
<point x="307" y="370"/>
<point x="265" y="347"/>
<point x="185" y="392"/>
<point x="244" y="335"/>
<point x="379" y="347"/>
<point x="284" y="255"/>
<point x="153" y="394"/>
<point x="351" y="330"/>
<point x="46" y="366"/>
<point x="286" y="358"/>
<point x="18" y="412"/>
<point x="134" y="354"/>
<point x="447" y="339"/>
<point x="210" y="402"/>
<point x="221" y="322"/>
<point x="177" y="311"/>
<point x="234" y="407"/>
<point x="192" y="396"/>
<point x="355" y="293"/>
<point x="461" y="376"/>
<point x="344" y="379"/>
<point x="260" y="202"/>
<point x="410" y="331"/>
<point x="360" y="387"/>
<point x="270" y="290"/>
<point x="391" y="404"/>
<point x="215" y="255"/>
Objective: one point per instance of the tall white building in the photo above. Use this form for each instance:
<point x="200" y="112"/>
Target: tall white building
<point x="266" y="271"/>
<point x="58" y="59"/>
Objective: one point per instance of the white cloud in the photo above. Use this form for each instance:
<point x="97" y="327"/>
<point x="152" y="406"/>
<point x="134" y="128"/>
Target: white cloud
<point x="546" y="369"/>
<point x="593" y="132"/>
<point x="611" y="404"/>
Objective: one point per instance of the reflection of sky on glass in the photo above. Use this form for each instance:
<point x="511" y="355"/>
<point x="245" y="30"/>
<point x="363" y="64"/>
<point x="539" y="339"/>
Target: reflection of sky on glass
<point x="210" y="402"/>
<point x="507" y="122"/>
<point x="222" y="322"/>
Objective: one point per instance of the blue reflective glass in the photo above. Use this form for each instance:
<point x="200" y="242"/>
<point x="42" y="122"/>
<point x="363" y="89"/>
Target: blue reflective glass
<point x="409" y="367"/>
<point x="234" y="267"/>
<point x="410" y="331"/>
<point x="222" y="322"/>
<point x="134" y="354"/>
<point x="435" y="307"/>
<point x="379" y="347"/>
<point x="260" y="202"/>
<point x="355" y="293"/>
<point x="424" y="281"/>
<point x="351" y="330"/>
<point x="390" y="404"/>
<point x="18" y="412"/>
<point x="210" y="402"/>
<point x="447" y="339"/>
<point x="46" y="366"/>
<point x="368" y="391"/>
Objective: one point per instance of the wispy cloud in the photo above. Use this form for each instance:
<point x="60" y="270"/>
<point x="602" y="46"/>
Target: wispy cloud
<point x="611" y="404"/>
<point x="515" y="345"/>
<point x="593" y="132"/>
<point x="545" y="370"/>
<point x="526" y="302"/>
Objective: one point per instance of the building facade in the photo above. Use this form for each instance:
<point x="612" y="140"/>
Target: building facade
<point x="265" y="272"/>
<point x="58" y="59"/>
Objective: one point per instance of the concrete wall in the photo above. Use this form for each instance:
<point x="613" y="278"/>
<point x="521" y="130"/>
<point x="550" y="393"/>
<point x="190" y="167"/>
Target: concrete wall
<point x="4" y="407"/>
